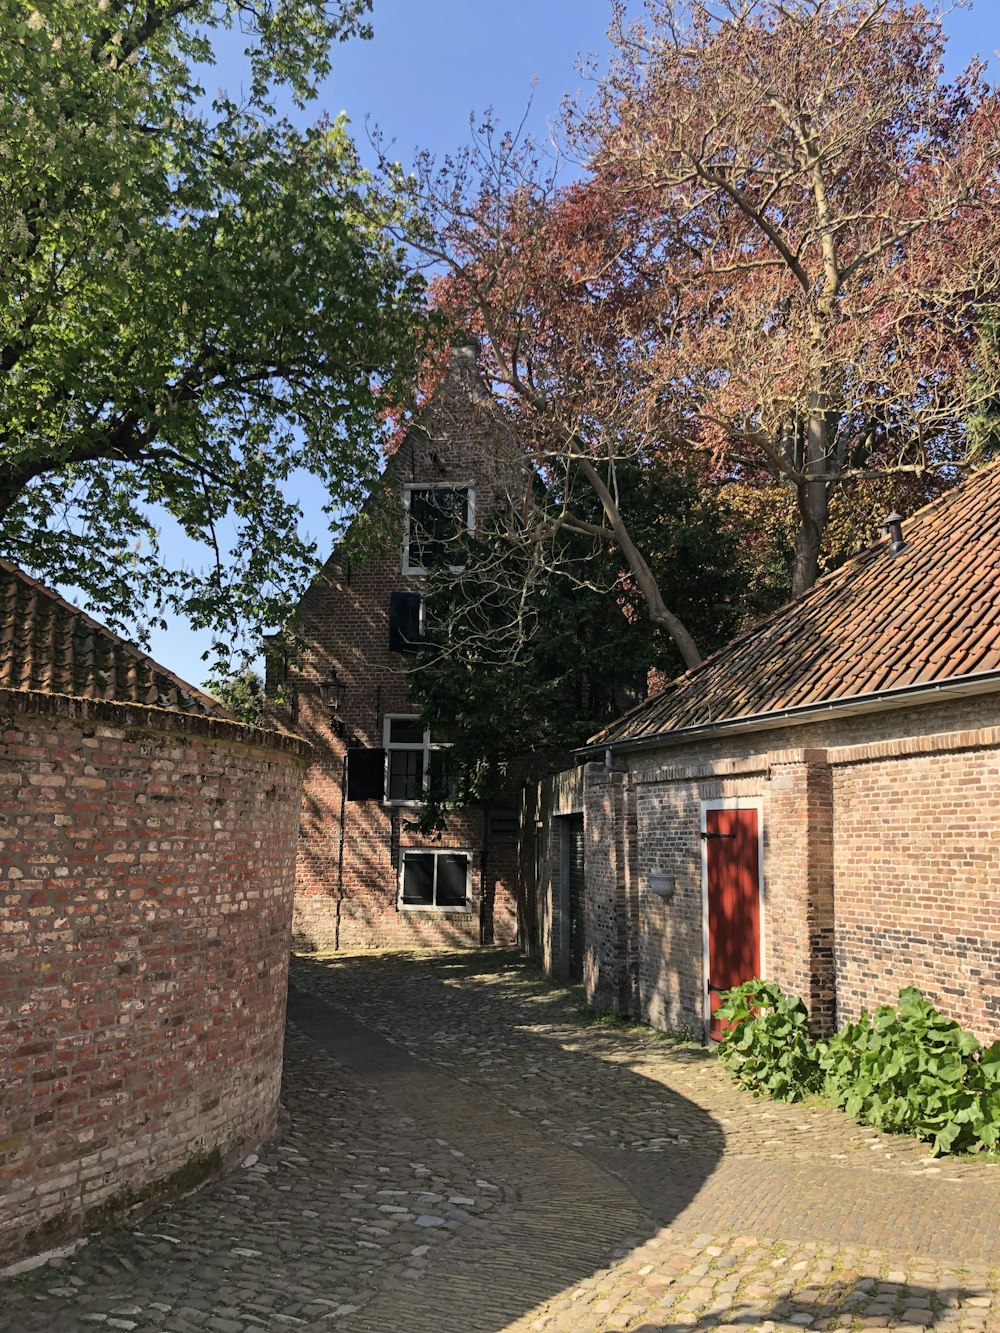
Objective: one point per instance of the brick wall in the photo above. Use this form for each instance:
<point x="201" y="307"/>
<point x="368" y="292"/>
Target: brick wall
<point x="670" y="961"/>
<point x="798" y="878"/>
<point x="605" y="972"/>
<point x="146" y="878"/>
<point x="915" y="856"/>
<point x="348" y="885"/>
<point x="880" y="838"/>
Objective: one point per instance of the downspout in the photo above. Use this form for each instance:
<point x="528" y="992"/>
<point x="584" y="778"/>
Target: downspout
<point x="484" y="822"/>
<point x="340" y="851"/>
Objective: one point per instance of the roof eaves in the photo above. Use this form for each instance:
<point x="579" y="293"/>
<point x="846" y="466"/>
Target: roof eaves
<point x="986" y="682"/>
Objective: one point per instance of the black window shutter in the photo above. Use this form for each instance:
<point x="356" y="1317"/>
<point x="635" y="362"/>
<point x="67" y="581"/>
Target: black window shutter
<point x="404" y="622"/>
<point x="365" y="774"/>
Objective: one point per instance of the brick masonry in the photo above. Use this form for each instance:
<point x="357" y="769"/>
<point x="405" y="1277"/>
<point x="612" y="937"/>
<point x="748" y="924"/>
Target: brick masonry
<point x="880" y="842"/>
<point x="349" y="852"/>
<point x="146" y="879"/>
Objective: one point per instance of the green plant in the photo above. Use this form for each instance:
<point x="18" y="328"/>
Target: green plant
<point x="911" y="1070"/>
<point x="766" y="1045"/>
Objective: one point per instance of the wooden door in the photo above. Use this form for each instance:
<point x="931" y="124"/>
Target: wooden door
<point x="733" y="882"/>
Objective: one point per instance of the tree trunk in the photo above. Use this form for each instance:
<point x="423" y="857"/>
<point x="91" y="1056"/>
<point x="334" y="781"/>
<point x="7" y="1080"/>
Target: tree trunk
<point x="813" y="499"/>
<point x="645" y="581"/>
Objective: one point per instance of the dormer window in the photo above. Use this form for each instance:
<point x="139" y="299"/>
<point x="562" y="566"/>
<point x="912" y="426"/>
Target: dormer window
<point x="437" y="519"/>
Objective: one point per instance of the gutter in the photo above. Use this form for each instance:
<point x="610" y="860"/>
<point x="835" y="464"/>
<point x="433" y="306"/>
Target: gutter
<point x="986" y="682"/>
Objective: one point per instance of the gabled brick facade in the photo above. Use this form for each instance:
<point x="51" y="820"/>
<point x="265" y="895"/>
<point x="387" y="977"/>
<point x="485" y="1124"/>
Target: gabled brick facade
<point x="348" y="885"/>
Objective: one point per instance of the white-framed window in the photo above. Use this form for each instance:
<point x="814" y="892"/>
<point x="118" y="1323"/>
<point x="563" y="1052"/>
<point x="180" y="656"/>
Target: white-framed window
<point x="414" y="763"/>
<point x="437" y="516"/>
<point x="438" y="880"/>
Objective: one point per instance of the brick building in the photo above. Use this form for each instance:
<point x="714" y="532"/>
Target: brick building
<point x="819" y="802"/>
<point x="364" y="879"/>
<point x="147" y="852"/>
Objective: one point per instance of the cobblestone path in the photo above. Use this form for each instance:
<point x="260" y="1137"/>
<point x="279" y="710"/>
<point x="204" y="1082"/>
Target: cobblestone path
<point x="464" y="1154"/>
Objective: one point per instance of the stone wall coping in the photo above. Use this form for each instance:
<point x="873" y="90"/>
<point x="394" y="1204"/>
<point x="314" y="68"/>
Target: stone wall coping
<point x="157" y="721"/>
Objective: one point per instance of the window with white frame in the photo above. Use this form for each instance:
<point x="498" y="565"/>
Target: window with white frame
<point x="415" y="765"/>
<point x="436" y="519"/>
<point x="439" y="879"/>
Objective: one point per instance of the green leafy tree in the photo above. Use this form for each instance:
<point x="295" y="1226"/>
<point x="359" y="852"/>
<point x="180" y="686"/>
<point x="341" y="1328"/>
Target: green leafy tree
<point x="198" y="301"/>
<point x="242" y="694"/>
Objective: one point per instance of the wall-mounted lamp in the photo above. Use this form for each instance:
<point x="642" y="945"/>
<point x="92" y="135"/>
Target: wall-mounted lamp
<point x="332" y="690"/>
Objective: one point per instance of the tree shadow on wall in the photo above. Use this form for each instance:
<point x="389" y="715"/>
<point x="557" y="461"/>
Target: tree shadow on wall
<point x="347" y="898"/>
<point x="492" y="1061"/>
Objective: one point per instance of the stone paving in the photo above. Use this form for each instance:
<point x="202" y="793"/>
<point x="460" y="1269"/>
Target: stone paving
<point x="465" y="1154"/>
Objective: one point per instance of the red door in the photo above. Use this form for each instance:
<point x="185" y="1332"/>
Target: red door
<point x="733" y="903"/>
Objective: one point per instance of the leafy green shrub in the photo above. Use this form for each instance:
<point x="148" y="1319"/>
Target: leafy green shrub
<point x="766" y="1047"/>
<point x="911" y="1070"/>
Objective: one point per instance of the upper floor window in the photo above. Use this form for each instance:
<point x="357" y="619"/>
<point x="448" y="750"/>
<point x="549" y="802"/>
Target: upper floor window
<point x="437" y="518"/>
<point x="414" y="764"/>
<point x="407" y="622"/>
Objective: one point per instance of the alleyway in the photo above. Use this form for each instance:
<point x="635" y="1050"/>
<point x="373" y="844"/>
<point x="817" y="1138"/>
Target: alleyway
<point x="464" y="1154"/>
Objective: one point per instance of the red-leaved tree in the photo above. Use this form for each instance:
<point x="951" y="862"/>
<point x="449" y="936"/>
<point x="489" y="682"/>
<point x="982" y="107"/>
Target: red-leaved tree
<point x="777" y="261"/>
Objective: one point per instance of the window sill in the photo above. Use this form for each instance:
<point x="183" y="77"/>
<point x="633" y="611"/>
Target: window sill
<point x="467" y="910"/>
<point x="415" y="805"/>
<point x="419" y="572"/>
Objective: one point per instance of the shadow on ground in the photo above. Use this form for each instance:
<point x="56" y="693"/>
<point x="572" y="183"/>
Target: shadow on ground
<point x="402" y="1195"/>
<point x="483" y="1019"/>
<point x="466" y="1153"/>
<point x="915" y="1307"/>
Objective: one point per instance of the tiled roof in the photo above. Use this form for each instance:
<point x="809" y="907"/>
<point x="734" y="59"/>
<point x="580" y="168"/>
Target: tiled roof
<point x="47" y="644"/>
<point x="929" y="614"/>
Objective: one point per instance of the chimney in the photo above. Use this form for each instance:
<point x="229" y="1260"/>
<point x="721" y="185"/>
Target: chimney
<point x="893" y="525"/>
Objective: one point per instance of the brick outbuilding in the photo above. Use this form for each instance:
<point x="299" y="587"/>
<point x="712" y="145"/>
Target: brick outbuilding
<point x="147" y="854"/>
<point x="365" y="879"/>
<point x="819" y="802"/>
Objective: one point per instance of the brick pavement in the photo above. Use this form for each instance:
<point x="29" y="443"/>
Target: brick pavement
<point x="488" y="1162"/>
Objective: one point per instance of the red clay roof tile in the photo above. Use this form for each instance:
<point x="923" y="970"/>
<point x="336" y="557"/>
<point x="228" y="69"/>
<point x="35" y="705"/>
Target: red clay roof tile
<point x="929" y="614"/>
<point x="48" y="644"/>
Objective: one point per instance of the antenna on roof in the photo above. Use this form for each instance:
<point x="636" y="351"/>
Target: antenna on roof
<point x="893" y="525"/>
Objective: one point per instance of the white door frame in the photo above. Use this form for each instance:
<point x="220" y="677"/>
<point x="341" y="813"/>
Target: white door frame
<point x="729" y="803"/>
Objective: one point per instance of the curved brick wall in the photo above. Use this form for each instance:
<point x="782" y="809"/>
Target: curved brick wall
<point x="147" y="865"/>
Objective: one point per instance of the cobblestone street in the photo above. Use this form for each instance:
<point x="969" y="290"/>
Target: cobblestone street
<point x="464" y="1153"/>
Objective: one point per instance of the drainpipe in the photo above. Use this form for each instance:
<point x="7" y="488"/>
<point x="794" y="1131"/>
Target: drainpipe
<point x="340" y="850"/>
<point x="482" y="873"/>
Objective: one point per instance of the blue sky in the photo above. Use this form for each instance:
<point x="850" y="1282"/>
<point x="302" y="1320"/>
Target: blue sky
<point x="432" y="63"/>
